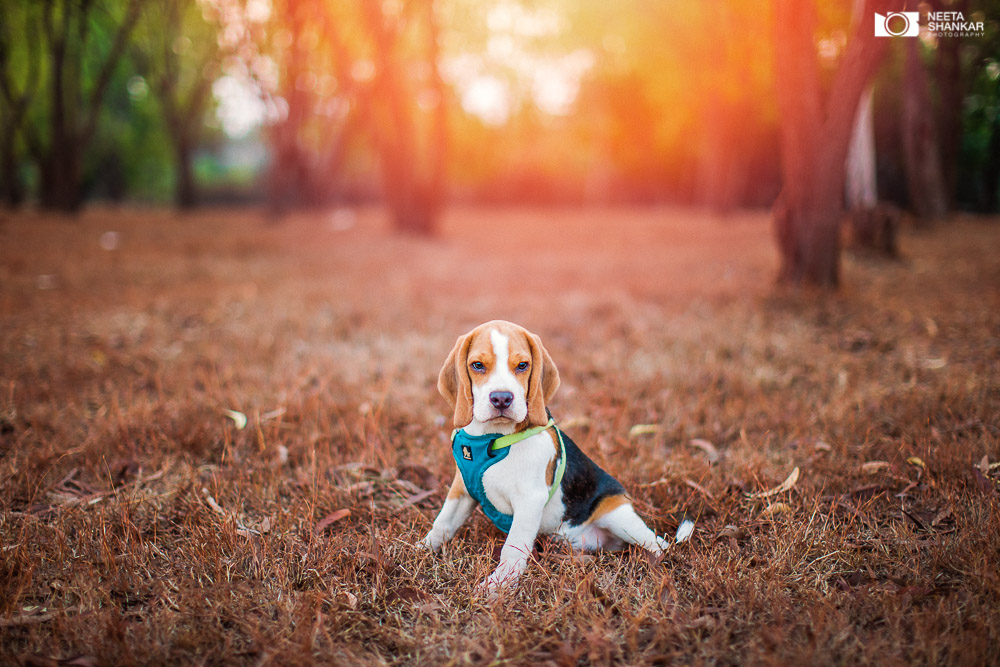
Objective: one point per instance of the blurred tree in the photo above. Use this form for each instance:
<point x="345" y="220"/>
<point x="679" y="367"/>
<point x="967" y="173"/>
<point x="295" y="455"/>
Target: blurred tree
<point x="20" y="63"/>
<point x="180" y="55"/>
<point x="84" y="43"/>
<point x="406" y="83"/>
<point x="861" y="188"/>
<point x="344" y="69"/>
<point x="921" y="155"/>
<point x="950" y="84"/>
<point x="815" y="134"/>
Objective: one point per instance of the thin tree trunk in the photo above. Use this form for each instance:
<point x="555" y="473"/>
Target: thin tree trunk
<point x="920" y="147"/>
<point x="60" y="186"/>
<point x="862" y="190"/>
<point x="438" y="148"/>
<point x="991" y="173"/>
<point x="185" y="191"/>
<point x="950" y="92"/>
<point x="406" y="190"/>
<point x="815" y="134"/>
<point x="12" y="192"/>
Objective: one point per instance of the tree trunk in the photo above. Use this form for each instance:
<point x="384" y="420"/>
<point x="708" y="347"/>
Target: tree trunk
<point x="862" y="188"/>
<point x="920" y="148"/>
<point x="60" y="180"/>
<point x="815" y="134"/>
<point x="991" y="174"/>
<point x="950" y="93"/>
<point x="408" y="189"/>
<point x="75" y="101"/>
<point x="11" y="191"/>
<point x="185" y="191"/>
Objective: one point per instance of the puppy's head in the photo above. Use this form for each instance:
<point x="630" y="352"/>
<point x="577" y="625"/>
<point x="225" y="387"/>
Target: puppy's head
<point x="499" y="373"/>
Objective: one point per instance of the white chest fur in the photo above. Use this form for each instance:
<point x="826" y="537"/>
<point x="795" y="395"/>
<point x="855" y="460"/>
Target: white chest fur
<point x="519" y="479"/>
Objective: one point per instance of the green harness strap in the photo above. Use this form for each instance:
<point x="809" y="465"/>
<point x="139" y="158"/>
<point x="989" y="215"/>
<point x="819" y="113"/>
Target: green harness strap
<point x="508" y="440"/>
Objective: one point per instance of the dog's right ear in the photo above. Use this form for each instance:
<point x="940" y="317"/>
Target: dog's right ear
<point x="454" y="382"/>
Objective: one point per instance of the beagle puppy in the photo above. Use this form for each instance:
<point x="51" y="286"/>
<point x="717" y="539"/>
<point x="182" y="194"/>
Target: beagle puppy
<point x="527" y="475"/>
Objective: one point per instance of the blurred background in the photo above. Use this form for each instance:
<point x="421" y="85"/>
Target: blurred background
<point x="416" y="103"/>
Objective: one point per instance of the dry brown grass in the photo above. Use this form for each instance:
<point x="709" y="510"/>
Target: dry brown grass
<point x="138" y="525"/>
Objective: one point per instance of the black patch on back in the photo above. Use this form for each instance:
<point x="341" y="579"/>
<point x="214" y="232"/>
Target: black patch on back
<point x="584" y="484"/>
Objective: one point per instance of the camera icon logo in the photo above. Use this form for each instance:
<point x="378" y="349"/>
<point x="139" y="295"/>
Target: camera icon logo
<point x="897" y="24"/>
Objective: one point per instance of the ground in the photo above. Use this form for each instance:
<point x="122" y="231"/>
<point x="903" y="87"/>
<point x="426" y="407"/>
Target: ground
<point x="140" y="524"/>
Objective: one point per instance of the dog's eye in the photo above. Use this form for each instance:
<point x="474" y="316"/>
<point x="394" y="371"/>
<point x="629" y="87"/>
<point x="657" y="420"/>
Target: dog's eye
<point x="477" y="366"/>
<point x="523" y="366"/>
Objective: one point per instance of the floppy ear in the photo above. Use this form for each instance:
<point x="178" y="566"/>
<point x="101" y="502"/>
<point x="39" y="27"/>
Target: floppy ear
<point x="454" y="383"/>
<point x="542" y="384"/>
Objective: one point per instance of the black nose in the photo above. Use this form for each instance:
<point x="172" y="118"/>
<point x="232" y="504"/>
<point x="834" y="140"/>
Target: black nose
<point x="501" y="400"/>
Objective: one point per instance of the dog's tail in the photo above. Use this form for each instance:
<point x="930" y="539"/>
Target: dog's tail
<point x="684" y="531"/>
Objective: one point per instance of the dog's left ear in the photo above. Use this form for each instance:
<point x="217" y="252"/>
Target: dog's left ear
<point x="542" y="384"/>
<point x="454" y="382"/>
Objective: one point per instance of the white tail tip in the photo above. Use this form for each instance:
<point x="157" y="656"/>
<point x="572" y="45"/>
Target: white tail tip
<point x="684" y="531"/>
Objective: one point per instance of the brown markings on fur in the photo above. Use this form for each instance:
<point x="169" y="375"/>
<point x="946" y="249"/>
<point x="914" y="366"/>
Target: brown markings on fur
<point x="457" y="489"/>
<point x="481" y="350"/>
<point x="607" y="504"/>
<point x="540" y="377"/>
<point x="518" y="350"/>
<point x="555" y="442"/>
<point x="550" y="472"/>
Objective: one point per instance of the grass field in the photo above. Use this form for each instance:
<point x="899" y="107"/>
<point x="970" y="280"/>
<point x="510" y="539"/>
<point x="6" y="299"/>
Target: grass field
<point x="141" y="525"/>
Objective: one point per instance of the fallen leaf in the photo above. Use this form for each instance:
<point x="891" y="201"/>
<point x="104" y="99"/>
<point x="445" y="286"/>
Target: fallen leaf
<point x="821" y="446"/>
<point x="239" y="419"/>
<point x="710" y="451"/>
<point x="943" y="515"/>
<point x="643" y="429"/>
<point x="361" y="488"/>
<point x="416" y="498"/>
<point x="430" y="607"/>
<point x="789" y="482"/>
<point x="211" y="503"/>
<point x="407" y="594"/>
<point x="357" y="468"/>
<point x="352" y="599"/>
<point x="984" y="464"/>
<point x="699" y="488"/>
<point x="777" y="508"/>
<point x="984" y="483"/>
<point x="419" y="475"/>
<point x="575" y="422"/>
<point x="732" y="532"/>
<point x="917" y="461"/>
<point x="273" y="414"/>
<point x="33" y="614"/>
<point x="869" y="490"/>
<point x="705" y="622"/>
<point x="874" y="467"/>
<point x="332" y="517"/>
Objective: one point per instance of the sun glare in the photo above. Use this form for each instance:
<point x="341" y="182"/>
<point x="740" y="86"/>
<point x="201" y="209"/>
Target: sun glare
<point x="240" y="107"/>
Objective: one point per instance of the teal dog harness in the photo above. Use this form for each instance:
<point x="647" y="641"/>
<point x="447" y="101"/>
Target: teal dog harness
<point x="475" y="453"/>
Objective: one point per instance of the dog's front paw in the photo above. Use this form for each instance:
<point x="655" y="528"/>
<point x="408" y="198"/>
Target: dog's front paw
<point x="432" y="542"/>
<point x="501" y="580"/>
